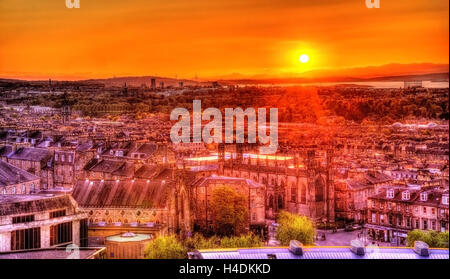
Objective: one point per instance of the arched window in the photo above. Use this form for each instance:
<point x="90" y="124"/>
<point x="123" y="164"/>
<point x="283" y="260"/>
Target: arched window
<point x="319" y="189"/>
<point x="303" y="194"/>
<point x="280" y="202"/>
<point x="293" y="193"/>
<point x="270" y="201"/>
<point x="182" y="206"/>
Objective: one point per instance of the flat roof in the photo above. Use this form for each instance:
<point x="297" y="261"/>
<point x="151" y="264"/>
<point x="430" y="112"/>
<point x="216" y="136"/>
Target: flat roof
<point x="316" y="253"/>
<point x="52" y="253"/>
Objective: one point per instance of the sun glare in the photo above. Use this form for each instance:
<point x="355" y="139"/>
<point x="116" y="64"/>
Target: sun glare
<point x="304" y="58"/>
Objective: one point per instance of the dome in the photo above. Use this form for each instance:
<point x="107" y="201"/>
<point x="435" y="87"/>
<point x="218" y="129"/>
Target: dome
<point x="128" y="234"/>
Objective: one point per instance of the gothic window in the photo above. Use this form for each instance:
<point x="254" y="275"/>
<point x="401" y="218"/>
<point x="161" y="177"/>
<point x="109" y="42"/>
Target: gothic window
<point x="280" y="202"/>
<point x="319" y="189"/>
<point x="303" y="194"/>
<point x="270" y="201"/>
<point x="293" y="193"/>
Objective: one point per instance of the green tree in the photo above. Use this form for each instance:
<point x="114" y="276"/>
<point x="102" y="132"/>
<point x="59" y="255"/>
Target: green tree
<point x="165" y="247"/>
<point x="229" y="211"/>
<point x="295" y="227"/>
<point x="432" y="238"/>
<point x="198" y="241"/>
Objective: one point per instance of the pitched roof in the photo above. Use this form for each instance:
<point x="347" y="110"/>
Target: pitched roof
<point x="10" y="175"/>
<point x="30" y="153"/>
<point x="20" y="204"/>
<point x="137" y="194"/>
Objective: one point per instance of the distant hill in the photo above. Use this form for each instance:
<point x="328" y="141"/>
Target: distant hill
<point x="390" y="72"/>
<point x="138" y="81"/>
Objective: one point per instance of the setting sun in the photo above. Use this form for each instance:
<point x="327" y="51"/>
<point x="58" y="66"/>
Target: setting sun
<point x="304" y="58"/>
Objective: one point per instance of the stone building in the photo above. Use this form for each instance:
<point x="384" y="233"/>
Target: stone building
<point x="301" y="184"/>
<point x="155" y="206"/>
<point x="34" y="160"/>
<point x="396" y="211"/>
<point x="351" y="199"/>
<point x="40" y="221"/>
<point x="201" y="193"/>
<point x="14" y="180"/>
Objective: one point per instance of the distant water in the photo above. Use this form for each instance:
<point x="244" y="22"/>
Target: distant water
<point x="374" y="84"/>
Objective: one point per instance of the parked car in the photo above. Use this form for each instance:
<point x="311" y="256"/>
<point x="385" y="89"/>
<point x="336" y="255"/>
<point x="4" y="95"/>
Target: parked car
<point x="349" y="228"/>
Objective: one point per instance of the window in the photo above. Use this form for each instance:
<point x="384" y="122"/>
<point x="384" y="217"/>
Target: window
<point x="382" y="219"/>
<point x="433" y="211"/>
<point x="56" y="214"/>
<point x="423" y="196"/>
<point x="61" y="233"/>
<point x="32" y="188"/>
<point x="425" y="224"/>
<point x="390" y="194"/>
<point x="24" y="189"/>
<point x="374" y="218"/>
<point x="433" y="225"/>
<point x="69" y="158"/>
<point x="26" y="239"/>
<point x="424" y="210"/>
<point x="3" y="191"/>
<point x="416" y="226"/>
<point x="62" y="158"/>
<point x="84" y="233"/>
<point x="408" y="222"/>
<point x="23" y="219"/>
<point x="293" y="193"/>
<point x="56" y="157"/>
<point x="445" y="200"/>
<point x="13" y="190"/>
<point x="406" y="195"/>
<point x="399" y="221"/>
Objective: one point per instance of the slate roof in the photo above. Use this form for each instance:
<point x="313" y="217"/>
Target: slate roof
<point x="30" y="154"/>
<point x="20" y="204"/>
<point x="10" y="175"/>
<point x="118" y="194"/>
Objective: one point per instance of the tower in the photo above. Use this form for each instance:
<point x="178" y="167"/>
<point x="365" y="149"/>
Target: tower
<point x="66" y="110"/>
<point x="153" y="84"/>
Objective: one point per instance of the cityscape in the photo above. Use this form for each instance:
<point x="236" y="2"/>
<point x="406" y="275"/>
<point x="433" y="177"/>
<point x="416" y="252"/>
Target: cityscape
<point x="105" y="153"/>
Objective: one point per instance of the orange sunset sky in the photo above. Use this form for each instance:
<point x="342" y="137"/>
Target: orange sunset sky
<point x="42" y="39"/>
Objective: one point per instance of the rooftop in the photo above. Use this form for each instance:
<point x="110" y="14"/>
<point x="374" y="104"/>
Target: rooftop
<point x="11" y="175"/>
<point x="322" y="253"/>
<point x="53" y="253"/>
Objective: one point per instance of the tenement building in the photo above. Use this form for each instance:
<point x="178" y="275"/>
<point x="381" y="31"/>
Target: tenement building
<point x="14" y="180"/>
<point x="396" y="211"/>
